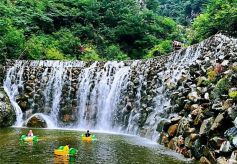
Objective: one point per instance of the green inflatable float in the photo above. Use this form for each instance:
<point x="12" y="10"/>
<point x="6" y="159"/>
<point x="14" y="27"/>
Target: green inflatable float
<point x="28" y="139"/>
<point x="65" y="151"/>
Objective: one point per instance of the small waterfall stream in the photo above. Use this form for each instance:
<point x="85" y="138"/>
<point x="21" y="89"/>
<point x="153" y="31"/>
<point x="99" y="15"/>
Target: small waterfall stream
<point x="129" y="96"/>
<point x="176" y="68"/>
<point x="12" y="89"/>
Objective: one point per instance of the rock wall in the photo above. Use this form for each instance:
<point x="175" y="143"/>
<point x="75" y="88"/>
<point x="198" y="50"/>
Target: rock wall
<point x="205" y="127"/>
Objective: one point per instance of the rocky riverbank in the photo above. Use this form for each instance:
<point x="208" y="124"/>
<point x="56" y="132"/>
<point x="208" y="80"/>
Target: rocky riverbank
<point x="205" y="102"/>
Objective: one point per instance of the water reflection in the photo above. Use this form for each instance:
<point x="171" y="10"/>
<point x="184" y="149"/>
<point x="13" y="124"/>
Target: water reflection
<point x="64" y="159"/>
<point x="27" y="145"/>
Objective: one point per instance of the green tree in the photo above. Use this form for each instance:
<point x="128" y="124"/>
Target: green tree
<point x="114" y="52"/>
<point x="54" y="54"/>
<point x="30" y="28"/>
<point x="183" y="11"/>
<point x="220" y="16"/>
<point x="35" y="48"/>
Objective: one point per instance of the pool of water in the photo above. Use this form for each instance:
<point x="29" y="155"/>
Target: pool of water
<point x="109" y="148"/>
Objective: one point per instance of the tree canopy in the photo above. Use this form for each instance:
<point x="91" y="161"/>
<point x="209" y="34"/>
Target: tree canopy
<point x="108" y="29"/>
<point x="219" y="16"/>
<point x="81" y="29"/>
<point x="183" y="11"/>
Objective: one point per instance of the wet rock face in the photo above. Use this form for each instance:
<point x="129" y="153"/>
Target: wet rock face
<point x="36" y="121"/>
<point x="206" y="102"/>
<point x="7" y="114"/>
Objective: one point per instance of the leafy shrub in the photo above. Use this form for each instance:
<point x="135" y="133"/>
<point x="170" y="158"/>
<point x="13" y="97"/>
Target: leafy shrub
<point x="221" y="87"/>
<point x="34" y="48"/>
<point x="161" y="49"/>
<point x="220" y="15"/>
<point x="203" y="81"/>
<point x="67" y="42"/>
<point x="54" y="54"/>
<point x="212" y="75"/>
<point x="14" y="40"/>
<point x="90" y="55"/>
<point x="233" y="95"/>
<point x="114" y="52"/>
<point x="206" y="82"/>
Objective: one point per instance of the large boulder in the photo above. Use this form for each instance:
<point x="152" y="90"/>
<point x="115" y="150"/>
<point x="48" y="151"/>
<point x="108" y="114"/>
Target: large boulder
<point x="232" y="112"/>
<point x="36" y="121"/>
<point x="218" y="121"/>
<point x="163" y="125"/>
<point x="7" y="113"/>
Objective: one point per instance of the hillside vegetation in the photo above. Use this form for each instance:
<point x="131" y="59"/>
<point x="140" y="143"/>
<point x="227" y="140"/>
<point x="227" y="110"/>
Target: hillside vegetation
<point x="108" y="29"/>
<point x="183" y="11"/>
<point x="81" y="29"/>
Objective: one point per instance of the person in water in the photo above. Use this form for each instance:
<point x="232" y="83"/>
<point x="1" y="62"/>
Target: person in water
<point x="30" y="133"/>
<point x="87" y="133"/>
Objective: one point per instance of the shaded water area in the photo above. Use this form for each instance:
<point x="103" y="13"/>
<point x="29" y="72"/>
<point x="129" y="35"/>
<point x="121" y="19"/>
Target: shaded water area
<point x="109" y="148"/>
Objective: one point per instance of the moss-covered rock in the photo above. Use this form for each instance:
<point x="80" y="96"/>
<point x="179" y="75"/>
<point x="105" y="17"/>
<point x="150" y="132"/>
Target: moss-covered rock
<point x="36" y="121"/>
<point x="7" y="114"/>
<point x="221" y="87"/>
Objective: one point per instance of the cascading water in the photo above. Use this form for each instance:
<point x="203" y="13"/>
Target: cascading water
<point x="54" y="88"/>
<point x="135" y="115"/>
<point x="174" y="69"/>
<point x="98" y="94"/>
<point x="83" y="93"/>
<point x="131" y="96"/>
<point x="107" y="116"/>
<point x="12" y="84"/>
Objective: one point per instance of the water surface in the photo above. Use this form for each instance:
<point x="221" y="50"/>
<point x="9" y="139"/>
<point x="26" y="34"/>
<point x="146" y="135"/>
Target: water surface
<point x="109" y="148"/>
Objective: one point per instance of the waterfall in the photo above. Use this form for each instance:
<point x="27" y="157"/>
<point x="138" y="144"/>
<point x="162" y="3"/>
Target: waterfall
<point x="176" y="66"/>
<point x="134" y="116"/>
<point x="129" y="96"/>
<point x="52" y="86"/>
<point x="100" y="89"/>
<point x="12" y="84"/>
<point x="107" y="113"/>
<point x="83" y="93"/>
<point x="98" y="94"/>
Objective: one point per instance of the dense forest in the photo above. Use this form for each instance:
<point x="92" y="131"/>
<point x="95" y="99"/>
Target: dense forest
<point x="182" y="11"/>
<point x="108" y="29"/>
